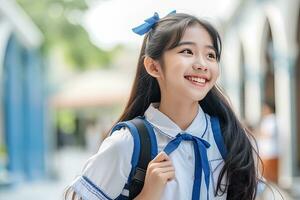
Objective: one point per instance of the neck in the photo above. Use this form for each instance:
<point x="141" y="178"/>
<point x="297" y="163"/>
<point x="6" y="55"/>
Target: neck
<point x="180" y="112"/>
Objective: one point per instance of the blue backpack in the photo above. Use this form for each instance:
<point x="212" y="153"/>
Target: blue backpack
<point x="145" y="150"/>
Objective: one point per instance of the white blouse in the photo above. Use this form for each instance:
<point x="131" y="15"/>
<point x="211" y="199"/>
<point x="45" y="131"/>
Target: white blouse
<point x="106" y="173"/>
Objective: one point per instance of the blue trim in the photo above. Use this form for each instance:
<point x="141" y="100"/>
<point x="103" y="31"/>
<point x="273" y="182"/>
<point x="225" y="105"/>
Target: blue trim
<point x="215" y="125"/>
<point x="121" y="197"/>
<point x="126" y="186"/>
<point x="205" y="130"/>
<point x="152" y="139"/>
<point x="95" y="187"/>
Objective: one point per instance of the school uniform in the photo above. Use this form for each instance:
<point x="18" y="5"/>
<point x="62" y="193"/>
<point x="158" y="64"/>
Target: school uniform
<point x="106" y="173"/>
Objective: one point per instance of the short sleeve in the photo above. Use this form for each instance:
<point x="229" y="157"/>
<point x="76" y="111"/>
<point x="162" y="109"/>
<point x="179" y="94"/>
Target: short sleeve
<point x="106" y="173"/>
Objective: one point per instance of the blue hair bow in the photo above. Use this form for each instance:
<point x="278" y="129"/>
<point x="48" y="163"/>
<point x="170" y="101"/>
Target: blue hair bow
<point x="149" y="23"/>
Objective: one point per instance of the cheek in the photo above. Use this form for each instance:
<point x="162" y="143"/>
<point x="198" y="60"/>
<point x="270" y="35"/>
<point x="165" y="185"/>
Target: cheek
<point x="174" y="70"/>
<point x="216" y="72"/>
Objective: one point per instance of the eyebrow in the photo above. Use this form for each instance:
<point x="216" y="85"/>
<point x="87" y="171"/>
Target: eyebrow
<point x="194" y="44"/>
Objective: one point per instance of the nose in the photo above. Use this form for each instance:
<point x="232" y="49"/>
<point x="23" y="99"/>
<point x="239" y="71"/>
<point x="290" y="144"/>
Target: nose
<point x="200" y="63"/>
<point x="198" y="66"/>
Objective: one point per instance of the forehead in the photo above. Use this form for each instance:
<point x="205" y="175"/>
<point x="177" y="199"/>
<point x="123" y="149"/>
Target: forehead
<point x="198" y="34"/>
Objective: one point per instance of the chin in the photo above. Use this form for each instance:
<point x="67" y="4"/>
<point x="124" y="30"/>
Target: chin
<point x="199" y="95"/>
<point x="198" y="98"/>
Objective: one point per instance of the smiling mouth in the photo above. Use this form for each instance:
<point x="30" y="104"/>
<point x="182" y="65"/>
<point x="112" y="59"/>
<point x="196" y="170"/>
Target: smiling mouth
<point x="197" y="81"/>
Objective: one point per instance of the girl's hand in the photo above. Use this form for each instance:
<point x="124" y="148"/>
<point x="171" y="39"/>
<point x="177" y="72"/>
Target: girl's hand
<point x="160" y="170"/>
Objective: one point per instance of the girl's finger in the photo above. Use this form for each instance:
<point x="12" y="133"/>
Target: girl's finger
<point x="166" y="169"/>
<point x="162" y="156"/>
<point x="169" y="175"/>
<point x="161" y="164"/>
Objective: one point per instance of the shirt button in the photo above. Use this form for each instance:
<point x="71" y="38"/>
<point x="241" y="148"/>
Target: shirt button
<point x="190" y="157"/>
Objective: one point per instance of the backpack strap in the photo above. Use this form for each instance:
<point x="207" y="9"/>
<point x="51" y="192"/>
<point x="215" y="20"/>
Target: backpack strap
<point x="215" y="125"/>
<point x="145" y="149"/>
<point x="137" y="180"/>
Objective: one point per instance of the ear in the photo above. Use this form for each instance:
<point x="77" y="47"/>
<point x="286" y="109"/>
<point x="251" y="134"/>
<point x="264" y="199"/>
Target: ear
<point x="152" y="67"/>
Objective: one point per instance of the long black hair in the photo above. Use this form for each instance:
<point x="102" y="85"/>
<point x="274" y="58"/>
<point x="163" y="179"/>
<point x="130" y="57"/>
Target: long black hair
<point x="240" y="170"/>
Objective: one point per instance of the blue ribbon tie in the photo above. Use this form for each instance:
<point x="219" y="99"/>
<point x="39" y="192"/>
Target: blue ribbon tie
<point x="201" y="160"/>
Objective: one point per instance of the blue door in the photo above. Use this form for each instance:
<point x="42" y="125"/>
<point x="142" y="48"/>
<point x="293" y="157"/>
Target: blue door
<point x="24" y="112"/>
<point x="13" y="109"/>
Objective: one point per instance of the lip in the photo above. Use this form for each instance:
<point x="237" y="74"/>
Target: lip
<point x="198" y="76"/>
<point x="197" y="85"/>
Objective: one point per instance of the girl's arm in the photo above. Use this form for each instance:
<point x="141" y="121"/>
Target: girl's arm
<point x="160" y="170"/>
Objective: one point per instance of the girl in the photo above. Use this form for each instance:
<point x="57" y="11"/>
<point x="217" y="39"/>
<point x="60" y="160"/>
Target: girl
<point x="175" y="91"/>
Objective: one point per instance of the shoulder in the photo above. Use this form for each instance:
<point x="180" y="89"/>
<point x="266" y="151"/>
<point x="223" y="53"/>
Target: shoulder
<point x="117" y="149"/>
<point x="119" y="141"/>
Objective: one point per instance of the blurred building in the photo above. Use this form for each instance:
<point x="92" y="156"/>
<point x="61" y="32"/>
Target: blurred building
<point x="261" y="61"/>
<point x="22" y="102"/>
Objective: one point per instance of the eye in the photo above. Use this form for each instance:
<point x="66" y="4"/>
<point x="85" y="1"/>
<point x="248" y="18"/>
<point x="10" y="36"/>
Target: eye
<point x="186" y="51"/>
<point x="212" y="56"/>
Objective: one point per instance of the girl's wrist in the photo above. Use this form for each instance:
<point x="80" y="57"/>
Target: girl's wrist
<point x="141" y="196"/>
<point x="144" y="196"/>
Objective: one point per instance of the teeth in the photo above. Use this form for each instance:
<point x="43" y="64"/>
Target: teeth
<point x="196" y="79"/>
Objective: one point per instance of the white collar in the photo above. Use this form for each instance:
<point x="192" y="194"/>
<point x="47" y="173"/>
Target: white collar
<point x="165" y="125"/>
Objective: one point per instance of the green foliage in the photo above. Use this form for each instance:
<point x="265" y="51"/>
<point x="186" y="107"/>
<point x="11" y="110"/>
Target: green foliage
<point x="66" y="121"/>
<point x="59" y="21"/>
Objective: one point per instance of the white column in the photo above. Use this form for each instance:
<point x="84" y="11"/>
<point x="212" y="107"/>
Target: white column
<point x="284" y="108"/>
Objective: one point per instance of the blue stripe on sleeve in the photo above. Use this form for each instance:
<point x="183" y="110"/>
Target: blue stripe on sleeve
<point x="87" y="190"/>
